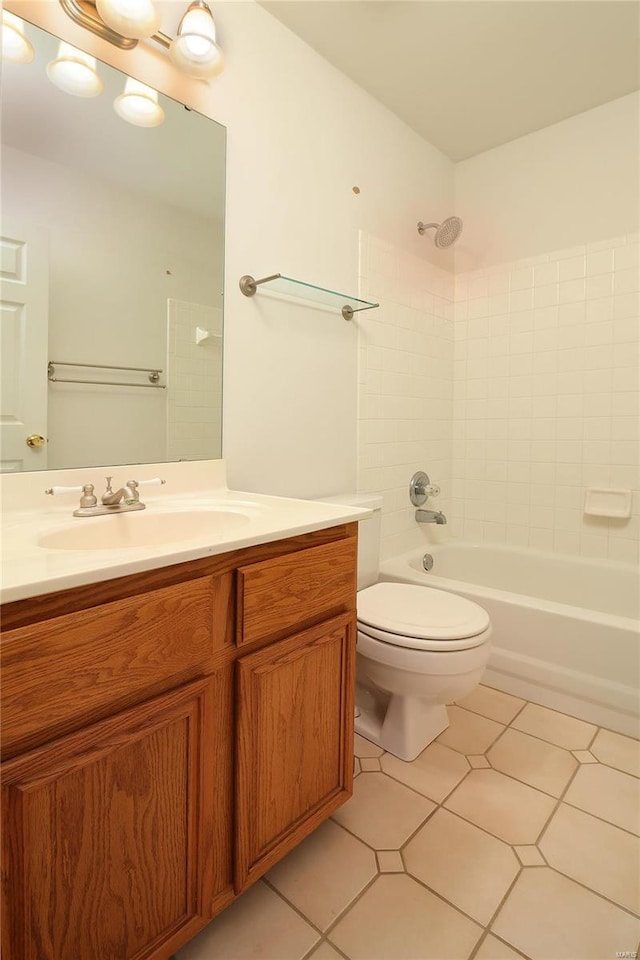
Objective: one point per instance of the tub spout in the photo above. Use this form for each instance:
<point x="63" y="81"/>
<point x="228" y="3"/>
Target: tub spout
<point x="430" y="516"/>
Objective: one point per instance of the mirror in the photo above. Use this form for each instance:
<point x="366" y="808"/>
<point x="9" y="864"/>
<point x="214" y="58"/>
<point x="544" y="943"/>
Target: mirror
<point x="112" y="269"/>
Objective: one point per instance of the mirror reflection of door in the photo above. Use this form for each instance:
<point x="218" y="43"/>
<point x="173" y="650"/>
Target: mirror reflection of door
<point x="24" y="307"/>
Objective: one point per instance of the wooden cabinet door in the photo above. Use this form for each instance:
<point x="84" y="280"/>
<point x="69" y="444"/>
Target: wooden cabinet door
<point x="295" y="741"/>
<point x="109" y="835"/>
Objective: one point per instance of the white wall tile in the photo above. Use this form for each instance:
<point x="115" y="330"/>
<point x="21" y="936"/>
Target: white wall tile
<point x="560" y="397"/>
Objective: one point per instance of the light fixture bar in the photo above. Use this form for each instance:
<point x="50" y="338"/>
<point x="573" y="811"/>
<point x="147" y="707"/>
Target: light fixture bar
<point x="84" y="13"/>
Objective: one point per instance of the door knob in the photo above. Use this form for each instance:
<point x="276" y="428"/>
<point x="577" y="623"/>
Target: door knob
<point x="35" y="440"/>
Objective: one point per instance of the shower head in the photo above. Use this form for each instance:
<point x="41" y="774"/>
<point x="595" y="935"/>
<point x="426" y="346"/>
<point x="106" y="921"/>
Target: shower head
<point x="447" y="232"/>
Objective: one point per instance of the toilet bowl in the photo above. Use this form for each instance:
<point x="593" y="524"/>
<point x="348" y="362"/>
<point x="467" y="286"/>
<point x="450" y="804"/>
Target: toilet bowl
<point x="418" y="649"/>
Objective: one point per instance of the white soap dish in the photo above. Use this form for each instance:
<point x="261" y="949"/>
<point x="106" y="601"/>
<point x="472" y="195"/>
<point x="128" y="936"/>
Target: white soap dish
<point x="606" y="502"/>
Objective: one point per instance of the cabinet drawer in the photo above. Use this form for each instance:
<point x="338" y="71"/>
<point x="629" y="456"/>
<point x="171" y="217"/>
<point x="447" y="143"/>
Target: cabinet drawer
<point x="63" y="673"/>
<point x="292" y="591"/>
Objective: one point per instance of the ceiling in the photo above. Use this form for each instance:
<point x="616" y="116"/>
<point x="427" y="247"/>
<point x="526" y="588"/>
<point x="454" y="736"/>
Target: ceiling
<point x="469" y="75"/>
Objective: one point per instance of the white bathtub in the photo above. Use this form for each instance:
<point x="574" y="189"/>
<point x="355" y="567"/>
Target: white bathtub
<point x="566" y="629"/>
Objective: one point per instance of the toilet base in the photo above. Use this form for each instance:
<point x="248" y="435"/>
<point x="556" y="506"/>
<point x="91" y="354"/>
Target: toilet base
<point x="401" y="725"/>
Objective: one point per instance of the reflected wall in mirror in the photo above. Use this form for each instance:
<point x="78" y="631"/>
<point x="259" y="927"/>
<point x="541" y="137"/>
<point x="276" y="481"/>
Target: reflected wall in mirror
<point x="112" y="254"/>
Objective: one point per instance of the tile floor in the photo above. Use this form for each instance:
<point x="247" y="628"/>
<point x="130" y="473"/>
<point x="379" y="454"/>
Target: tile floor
<point x="515" y="834"/>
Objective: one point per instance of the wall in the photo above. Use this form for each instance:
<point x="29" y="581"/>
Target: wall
<point x="572" y="183"/>
<point x="96" y="311"/>
<point x="405" y="387"/>
<point x="300" y="137"/>
<point x="546" y="335"/>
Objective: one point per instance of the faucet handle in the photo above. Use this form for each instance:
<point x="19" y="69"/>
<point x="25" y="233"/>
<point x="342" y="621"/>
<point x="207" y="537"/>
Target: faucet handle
<point x="108" y="490"/>
<point x="54" y="491"/>
<point x="132" y="486"/>
<point x="156" y="482"/>
<point x="88" y="498"/>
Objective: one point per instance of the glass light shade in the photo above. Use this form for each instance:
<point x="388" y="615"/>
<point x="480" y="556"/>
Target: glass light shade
<point x="15" y="46"/>
<point x="135" y="19"/>
<point x="139" y="105"/>
<point x="75" y="72"/>
<point x="194" y="49"/>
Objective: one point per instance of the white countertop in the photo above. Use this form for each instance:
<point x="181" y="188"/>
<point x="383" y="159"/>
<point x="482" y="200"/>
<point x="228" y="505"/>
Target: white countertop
<point x="30" y="569"/>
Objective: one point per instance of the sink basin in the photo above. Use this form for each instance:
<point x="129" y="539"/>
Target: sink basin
<point x="143" y="529"/>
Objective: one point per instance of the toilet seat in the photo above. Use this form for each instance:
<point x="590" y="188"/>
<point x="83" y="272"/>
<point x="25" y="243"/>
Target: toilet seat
<point x="421" y="618"/>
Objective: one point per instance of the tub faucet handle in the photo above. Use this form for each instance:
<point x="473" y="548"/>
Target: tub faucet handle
<point x="421" y="488"/>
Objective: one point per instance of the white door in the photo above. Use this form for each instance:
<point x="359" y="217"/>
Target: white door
<point x="24" y="322"/>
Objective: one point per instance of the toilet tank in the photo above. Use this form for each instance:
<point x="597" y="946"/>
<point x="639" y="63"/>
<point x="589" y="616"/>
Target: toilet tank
<point x="368" y="534"/>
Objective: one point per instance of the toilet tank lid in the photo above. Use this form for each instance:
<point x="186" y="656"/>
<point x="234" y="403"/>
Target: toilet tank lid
<point x="370" y="501"/>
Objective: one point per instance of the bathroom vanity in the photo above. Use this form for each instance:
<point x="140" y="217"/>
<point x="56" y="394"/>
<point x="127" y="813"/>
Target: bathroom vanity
<point x="168" y="736"/>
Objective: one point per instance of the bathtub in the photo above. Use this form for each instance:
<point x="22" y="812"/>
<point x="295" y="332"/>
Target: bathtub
<point x="566" y="630"/>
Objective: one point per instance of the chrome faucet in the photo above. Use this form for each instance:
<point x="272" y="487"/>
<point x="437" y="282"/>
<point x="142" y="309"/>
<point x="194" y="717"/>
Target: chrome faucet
<point x="430" y="516"/>
<point x="420" y="489"/>
<point x="113" y="501"/>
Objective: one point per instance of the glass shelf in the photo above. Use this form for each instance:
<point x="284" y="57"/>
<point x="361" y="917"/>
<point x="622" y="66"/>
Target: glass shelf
<point x="298" y="289"/>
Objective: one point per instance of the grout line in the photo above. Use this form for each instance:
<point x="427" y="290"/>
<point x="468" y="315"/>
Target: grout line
<point x="596" y="893"/>
<point x="440" y="896"/>
<point x="425" y="795"/>
<point x="506" y="893"/>
<point x="334" y="923"/>
<point x="482" y="939"/>
<point x="595" y="816"/>
<point x="313" y="949"/>
<point x="337" y="949"/>
<point x="282" y="896"/>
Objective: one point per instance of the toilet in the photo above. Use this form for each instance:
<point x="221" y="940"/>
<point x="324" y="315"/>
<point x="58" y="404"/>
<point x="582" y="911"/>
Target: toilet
<point x="418" y="649"/>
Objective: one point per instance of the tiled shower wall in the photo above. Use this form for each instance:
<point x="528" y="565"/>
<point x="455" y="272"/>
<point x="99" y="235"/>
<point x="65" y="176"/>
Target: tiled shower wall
<point x="406" y="388"/>
<point x="546" y="399"/>
<point x="518" y="406"/>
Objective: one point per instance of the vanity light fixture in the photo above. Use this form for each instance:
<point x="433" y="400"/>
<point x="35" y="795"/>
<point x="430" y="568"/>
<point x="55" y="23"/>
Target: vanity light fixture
<point x="75" y="72"/>
<point x="135" y="19"/>
<point x="195" y="50"/>
<point x="123" y="23"/>
<point x="16" y="48"/>
<point x="139" y="105"/>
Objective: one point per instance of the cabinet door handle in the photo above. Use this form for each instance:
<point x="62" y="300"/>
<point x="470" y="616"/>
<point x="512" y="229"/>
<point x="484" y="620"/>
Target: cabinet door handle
<point x="35" y="440"/>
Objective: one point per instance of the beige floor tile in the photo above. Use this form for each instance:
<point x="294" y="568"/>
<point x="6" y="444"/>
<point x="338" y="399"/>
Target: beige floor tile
<point x="469" y="732"/>
<point x="508" y="809"/>
<point x="325" y="952"/>
<point x="324" y="873"/>
<point x="390" y="861"/>
<point x="584" y="756"/>
<point x="600" y="856"/>
<point x="364" y="748"/>
<point x="606" y="793"/>
<point x="534" y="761"/>
<point x="617" y="751"/>
<point x="466" y="866"/>
<point x="555" y="727"/>
<point x="397" y="919"/>
<point x="529" y="856"/>
<point x="434" y="773"/>
<point x="356" y="767"/>
<point x="493" y="949"/>
<point x="549" y="917"/>
<point x="478" y="761"/>
<point x="258" y="926"/>
<point x="370" y="764"/>
<point x="382" y="812"/>
<point x="492" y="703"/>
